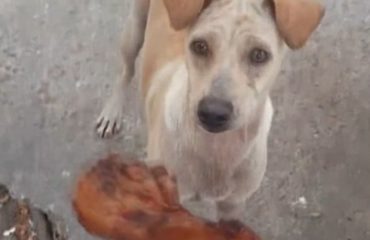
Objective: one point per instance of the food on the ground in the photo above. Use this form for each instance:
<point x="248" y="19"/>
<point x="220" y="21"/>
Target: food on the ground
<point x="122" y="201"/>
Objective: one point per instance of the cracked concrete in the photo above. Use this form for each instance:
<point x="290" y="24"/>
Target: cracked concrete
<point x="58" y="60"/>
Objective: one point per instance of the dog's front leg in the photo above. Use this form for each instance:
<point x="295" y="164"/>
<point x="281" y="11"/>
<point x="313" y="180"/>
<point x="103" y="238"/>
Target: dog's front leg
<point x="249" y="175"/>
<point x="247" y="179"/>
<point x="110" y="119"/>
<point x="230" y="209"/>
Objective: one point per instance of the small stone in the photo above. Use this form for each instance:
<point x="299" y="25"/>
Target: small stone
<point x="315" y="215"/>
<point x="66" y="174"/>
<point x="301" y="202"/>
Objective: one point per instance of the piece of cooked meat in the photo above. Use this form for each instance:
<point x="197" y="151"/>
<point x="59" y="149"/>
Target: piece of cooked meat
<point x="122" y="201"/>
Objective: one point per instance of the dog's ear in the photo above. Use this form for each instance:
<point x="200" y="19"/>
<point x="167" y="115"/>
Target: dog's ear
<point x="183" y="12"/>
<point x="297" y="19"/>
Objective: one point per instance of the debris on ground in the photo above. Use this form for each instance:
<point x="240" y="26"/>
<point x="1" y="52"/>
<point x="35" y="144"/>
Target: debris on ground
<point x="20" y="220"/>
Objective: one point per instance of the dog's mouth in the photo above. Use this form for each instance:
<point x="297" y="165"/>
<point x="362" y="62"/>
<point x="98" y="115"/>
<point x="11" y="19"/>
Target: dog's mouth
<point x="214" y="127"/>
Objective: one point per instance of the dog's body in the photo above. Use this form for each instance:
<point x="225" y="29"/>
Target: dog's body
<point x="206" y="72"/>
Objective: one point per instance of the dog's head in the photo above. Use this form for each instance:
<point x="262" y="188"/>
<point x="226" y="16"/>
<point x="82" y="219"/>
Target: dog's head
<point x="234" y="52"/>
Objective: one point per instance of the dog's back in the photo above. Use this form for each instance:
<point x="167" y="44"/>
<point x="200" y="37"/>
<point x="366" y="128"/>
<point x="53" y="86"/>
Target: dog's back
<point x="162" y="43"/>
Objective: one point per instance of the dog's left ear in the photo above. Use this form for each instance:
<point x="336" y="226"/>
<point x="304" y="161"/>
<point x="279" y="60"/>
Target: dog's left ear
<point x="183" y="12"/>
<point x="297" y="19"/>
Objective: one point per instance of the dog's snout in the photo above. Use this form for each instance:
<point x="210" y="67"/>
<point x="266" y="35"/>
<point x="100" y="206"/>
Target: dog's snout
<point x="215" y="114"/>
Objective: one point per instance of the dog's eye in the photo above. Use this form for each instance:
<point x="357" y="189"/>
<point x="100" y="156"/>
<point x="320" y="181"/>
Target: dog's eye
<point x="259" y="56"/>
<point x="199" y="47"/>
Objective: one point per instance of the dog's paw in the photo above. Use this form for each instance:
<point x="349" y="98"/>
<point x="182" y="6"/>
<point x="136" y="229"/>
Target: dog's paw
<point x="109" y="122"/>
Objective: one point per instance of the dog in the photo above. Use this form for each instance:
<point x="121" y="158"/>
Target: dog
<point x="206" y="70"/>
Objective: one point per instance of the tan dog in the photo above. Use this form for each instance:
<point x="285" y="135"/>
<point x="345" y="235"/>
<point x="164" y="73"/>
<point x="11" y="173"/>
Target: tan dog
<point x="206" y="72"/>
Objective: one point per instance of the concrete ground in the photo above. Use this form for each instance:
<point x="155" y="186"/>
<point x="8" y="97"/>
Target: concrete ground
<point x="58" y="60"/>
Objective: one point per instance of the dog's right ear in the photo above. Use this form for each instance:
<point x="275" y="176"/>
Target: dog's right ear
<point x="183" y="12"/>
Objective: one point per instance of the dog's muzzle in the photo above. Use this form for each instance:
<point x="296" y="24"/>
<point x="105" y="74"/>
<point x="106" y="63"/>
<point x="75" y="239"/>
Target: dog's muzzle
<point x="215" y="114"/>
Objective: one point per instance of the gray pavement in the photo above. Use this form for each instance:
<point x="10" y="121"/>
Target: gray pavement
<point x="58" y="60"/>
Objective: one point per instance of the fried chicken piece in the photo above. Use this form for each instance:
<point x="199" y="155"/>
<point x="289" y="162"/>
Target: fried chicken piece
<point x="119" y="201"/>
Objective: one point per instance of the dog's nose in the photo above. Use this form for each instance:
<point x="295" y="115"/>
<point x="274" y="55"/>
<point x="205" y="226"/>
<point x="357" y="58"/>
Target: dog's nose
<point x="215" y="114"/>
